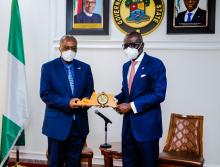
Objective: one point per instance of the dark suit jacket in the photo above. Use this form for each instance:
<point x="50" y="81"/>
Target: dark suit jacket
<point x="199" y="18"/>
<point x="55" y="91"/>
<point x="147" y="92"/>
<point x="83" y="18"/>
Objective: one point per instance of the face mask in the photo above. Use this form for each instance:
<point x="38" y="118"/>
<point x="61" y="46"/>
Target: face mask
<point x="68" y="55"/>
<point x="131" y="53"/>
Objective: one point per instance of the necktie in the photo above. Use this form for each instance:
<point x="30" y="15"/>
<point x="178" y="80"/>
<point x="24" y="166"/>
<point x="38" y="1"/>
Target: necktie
<point x="131" y="77"/>
<point x="189" y="17"/>
<point x="70" y="78"/>
<point x="71" y="81"/>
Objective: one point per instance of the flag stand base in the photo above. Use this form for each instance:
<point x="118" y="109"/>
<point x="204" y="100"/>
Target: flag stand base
<point x="17" y="165"/>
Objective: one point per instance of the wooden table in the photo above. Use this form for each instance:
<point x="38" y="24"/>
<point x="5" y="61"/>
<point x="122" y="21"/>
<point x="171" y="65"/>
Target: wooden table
<point x="111" y="153"/>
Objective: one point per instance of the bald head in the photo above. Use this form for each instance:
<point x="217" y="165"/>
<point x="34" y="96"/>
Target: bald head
<point x="133" y="37"/>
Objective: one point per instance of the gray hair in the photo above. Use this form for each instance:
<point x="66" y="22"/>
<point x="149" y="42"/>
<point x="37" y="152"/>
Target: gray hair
<point x="68" y="37"/>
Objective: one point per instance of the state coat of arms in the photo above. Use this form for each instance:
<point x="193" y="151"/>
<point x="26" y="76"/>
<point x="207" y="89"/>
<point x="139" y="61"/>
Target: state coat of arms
<point x="137" y="10"/>
<point x="143" y="16"/>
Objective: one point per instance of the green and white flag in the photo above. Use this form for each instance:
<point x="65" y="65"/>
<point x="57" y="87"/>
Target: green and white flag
<point x="16" y="114"/>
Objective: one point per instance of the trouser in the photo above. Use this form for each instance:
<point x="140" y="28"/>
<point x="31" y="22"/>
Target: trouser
<point x="68" y="152"/>
<point x="138" y="154"/>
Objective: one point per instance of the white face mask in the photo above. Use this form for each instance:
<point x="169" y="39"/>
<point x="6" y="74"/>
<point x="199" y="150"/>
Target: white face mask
<point x="68" y="55"/>
<point x="131" y="53"/>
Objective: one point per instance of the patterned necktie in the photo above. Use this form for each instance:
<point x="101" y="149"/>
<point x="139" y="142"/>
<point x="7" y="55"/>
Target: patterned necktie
<point x="71" y="81"/>
<point x="189" y="17"/>
<point x="70" y="78"/>
<point x="131" y="77"/>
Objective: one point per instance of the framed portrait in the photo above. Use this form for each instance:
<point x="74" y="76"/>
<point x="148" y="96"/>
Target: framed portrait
<point x="190" y="16"/>
<point x="87" y="17"/>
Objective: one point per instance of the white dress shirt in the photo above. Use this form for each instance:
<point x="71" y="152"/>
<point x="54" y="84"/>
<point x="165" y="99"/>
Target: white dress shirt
<point x="193" y="13"/>
<point x="139" y="59"/>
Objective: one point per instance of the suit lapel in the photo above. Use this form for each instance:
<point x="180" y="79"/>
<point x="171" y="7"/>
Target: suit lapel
<point x="125" y="76"/>
<point x="63" y="76"/>
<point x="138" y="73"/>
<point x="196" y="16"/>
<point x="77" y="76"/>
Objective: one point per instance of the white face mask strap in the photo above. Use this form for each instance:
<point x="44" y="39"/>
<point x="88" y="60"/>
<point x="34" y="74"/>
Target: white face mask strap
<point x="139" y="46"/>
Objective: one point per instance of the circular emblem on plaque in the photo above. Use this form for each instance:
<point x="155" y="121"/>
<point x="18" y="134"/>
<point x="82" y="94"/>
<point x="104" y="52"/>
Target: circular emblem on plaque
<point x="102" y="98"/>
<point x="144" y="16"/>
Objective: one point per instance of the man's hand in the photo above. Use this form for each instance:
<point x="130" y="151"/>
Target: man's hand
<point x="123" y="108"/>
<point x="73" y="103"/>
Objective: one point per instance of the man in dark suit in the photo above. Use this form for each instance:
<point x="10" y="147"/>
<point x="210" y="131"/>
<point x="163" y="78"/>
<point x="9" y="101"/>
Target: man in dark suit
<point x="193" y="16"/>
<point x="65" y="80"/>
<point x="143" y="89"/>
<point x="88" y="15"/>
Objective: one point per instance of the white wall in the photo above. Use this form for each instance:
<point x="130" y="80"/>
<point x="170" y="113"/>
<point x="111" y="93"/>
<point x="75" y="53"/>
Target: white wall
<point x="192" y="62"/>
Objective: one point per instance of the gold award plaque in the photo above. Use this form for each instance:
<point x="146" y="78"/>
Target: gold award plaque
<point x="98" y="99"/>
<point x="102" y="98"/>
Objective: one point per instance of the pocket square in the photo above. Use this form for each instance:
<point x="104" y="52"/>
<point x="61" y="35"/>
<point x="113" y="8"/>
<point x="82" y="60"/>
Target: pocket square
<point x="143" y="75"/>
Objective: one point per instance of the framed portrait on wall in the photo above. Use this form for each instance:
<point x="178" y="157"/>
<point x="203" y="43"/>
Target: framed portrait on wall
<point x="87" y="17"/>
<point x="190" y="16"/>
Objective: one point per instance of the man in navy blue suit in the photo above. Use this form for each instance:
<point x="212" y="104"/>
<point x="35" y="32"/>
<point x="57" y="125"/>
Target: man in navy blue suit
<point x="87" y="15"/>
<point x="65" y="80"/>
<point x="143" y="89"/>
<point x="193" y="16"/>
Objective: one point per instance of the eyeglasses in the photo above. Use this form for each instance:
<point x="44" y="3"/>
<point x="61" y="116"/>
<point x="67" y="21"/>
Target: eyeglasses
<point x="64" y="48"/>
<point x="131" y="45"/>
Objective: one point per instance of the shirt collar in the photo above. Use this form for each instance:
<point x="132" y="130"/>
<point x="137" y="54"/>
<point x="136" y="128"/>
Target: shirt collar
<point x="193" y="12"/>
<point x="139" y="59"/>
<point x="66" y="65"/>
<point x="87" y="14"/>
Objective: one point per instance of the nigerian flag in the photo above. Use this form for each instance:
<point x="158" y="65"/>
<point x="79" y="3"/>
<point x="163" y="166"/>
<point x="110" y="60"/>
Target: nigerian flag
<point x="16" y="114"/>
